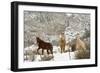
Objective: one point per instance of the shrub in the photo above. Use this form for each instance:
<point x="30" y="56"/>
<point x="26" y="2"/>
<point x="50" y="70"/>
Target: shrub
<point x="82" y="54"/>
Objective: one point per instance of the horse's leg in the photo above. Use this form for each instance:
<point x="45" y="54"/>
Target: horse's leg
<point x="51" y="50"/>
<point x="48" y="51"/>
<point x="42" y="51"/>
<point x="38" y="50"/>
<point x="64" y="48"/>
<point x="61" y="46"/>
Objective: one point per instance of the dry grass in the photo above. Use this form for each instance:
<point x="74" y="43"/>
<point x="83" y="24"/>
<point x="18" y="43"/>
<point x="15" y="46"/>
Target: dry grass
<point x="82" y="54"/>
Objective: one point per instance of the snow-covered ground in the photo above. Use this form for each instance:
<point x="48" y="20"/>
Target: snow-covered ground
<point x="57" y="56"/>
<point x="62" y="56"/>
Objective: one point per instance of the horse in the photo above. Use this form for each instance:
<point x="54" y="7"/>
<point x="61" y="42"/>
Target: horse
<point x="44" y="46"/>
<point x="62" y="43"/>
<point x="80" y="45"/>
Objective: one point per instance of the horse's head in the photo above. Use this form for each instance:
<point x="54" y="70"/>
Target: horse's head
<point x="37" y="39"/>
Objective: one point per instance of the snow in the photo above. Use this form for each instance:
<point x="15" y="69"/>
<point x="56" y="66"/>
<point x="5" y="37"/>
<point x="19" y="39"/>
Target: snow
<point x="57" y="55"/>
<point x="62" y="56"/>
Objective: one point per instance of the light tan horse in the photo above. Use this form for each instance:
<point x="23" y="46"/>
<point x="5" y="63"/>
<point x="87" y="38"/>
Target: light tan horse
<point x="62" y="42"/>
<point x="80" y="45"/>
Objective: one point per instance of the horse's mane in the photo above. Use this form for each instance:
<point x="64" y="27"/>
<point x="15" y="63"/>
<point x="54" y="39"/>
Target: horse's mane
<point x="39" y="40"/>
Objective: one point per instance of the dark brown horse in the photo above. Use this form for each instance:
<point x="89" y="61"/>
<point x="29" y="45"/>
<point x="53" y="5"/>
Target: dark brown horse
<point x="44" y="46"/>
